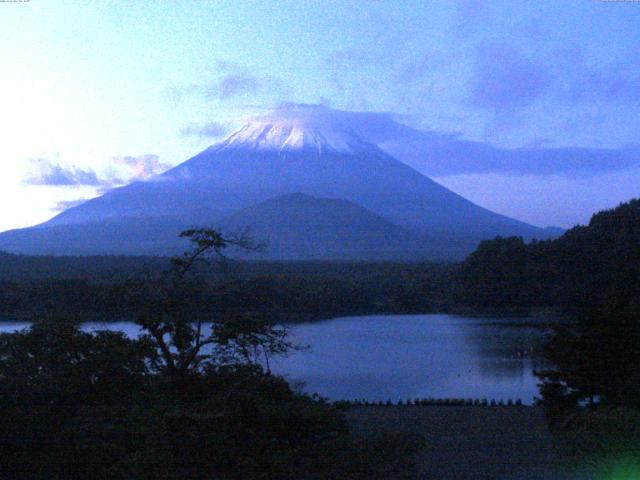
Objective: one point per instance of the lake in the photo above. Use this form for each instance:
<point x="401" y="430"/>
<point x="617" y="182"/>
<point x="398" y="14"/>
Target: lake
<point x="406" y="356"/>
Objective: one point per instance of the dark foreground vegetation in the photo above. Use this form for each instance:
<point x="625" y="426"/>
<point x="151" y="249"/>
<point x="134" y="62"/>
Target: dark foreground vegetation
<point x="592" y="396"/>
<point x="592" y="273"/>
<point x="176" y="403"/>
<point x="182" y="403"/>
<point x="471" y="443"/>
<point x="81" y="406"/>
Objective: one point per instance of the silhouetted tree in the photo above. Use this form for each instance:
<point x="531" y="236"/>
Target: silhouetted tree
<point x="183" y="342"/>
<point x="178" y="403"/>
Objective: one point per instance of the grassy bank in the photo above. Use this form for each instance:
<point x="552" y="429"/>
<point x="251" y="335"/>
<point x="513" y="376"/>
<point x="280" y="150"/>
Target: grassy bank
<point x="472" y="443"/>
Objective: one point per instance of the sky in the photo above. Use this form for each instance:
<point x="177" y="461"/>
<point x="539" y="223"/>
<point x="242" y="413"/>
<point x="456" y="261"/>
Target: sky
<point x="528" y="108"/>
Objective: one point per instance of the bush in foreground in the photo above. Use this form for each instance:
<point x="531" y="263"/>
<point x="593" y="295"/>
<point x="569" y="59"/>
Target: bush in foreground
<point x="80" y="405"/>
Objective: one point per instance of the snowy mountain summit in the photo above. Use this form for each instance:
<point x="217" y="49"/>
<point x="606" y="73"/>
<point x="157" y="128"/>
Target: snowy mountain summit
<point x="302" y="180"/>
<point x="290" y="128"/>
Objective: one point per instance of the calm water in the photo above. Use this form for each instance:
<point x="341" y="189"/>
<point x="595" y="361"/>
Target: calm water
<point x="406" y="356"/>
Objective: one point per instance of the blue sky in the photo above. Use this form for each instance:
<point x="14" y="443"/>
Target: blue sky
<point x="95" y="94"/>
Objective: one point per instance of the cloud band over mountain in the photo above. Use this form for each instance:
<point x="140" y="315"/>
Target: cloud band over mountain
<point x="439" y="154"/>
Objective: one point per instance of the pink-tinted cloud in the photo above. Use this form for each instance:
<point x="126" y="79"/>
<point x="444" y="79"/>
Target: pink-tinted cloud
<point x="141" y="167"/>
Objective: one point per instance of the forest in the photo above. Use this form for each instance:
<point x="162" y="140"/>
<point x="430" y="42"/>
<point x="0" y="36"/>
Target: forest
<point x="591" y="391"/>
<point x="175" y="403"/>
<point x="105" y="288"/>
<point x="589" y="265"/>
<point x="181" y="403"/>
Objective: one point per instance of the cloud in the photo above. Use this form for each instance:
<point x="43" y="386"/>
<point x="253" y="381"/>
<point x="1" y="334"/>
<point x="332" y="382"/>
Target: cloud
<point x="614" y="84"/>
<point x="512" y="91"/>
<point x="233" y="82"/>
<point x="443" y="154"/>
<point x="440" y="154"/>
<point x="472" y="17"/>
<point x="43" y="171"/>
<point x="234" y="85"/>
<point x="207" y="130"/>
<point x="372" y="126"/>
<point x="66" y="204"/>
<point x="141" y="167"/>
<point x="506" y="80"/>
<point x="420" y="67"/>
<point x="122" y="170"/>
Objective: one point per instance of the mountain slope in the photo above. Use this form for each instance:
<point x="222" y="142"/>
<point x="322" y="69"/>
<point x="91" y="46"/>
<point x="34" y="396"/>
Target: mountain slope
<point x="298" y="226"/>
<point x="288" y="152"/>
<point x="114" y="236"/>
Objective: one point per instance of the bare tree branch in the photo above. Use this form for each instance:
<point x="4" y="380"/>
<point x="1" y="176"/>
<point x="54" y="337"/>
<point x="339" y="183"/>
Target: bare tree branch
<point x="179" y="341"/>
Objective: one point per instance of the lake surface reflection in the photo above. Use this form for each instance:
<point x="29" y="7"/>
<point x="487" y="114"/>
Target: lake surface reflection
<point x="406" y="356"/>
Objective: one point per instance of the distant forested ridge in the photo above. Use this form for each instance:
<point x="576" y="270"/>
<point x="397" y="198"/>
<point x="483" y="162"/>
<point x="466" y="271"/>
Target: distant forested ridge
<point x="590" y="265"/>
<point x="587" y="267"/>
<point x="103" y="288"/>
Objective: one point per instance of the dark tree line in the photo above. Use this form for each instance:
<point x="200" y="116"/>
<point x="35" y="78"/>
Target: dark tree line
<point x="592" y="273"/>
<point x="179" y="402"/>
<point x="286" y="291"/>
<point x="587" y="267"/>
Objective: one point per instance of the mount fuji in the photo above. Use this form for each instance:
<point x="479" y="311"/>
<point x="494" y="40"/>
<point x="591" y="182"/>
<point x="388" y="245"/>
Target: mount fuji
<point x="311" y="185"/>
